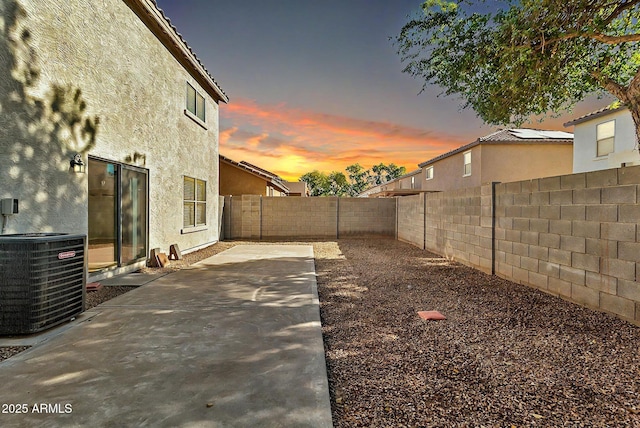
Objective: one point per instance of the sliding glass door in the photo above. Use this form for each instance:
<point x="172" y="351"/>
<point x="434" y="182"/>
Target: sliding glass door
<point x="134" y="215"/>
<point x="118" y="201"/>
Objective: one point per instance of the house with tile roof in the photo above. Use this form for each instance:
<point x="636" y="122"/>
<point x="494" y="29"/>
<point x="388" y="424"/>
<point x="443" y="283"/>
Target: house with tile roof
<point x="503" y="156"/>
<point x="604" y="139"/>
<point x="243" y="178"/>
<point x="109" y="129"/>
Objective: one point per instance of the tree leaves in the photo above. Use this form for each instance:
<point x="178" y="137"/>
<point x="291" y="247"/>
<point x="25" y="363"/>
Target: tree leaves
<point x="336" y="183"/>
<point x="525" y="58"/>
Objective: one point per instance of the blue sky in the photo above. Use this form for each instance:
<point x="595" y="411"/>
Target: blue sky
<point x="318" y="84"/>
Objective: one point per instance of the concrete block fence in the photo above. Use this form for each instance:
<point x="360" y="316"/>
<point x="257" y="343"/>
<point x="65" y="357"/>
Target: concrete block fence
<point x="574" y="236"/>
<point x="259" y="217"/>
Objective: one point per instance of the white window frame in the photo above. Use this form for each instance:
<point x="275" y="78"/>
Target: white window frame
<point x="429" y="173"/>
<point x="609" y="139"/>
<point x="466" y="172"/>
<point x="196" y="202"/>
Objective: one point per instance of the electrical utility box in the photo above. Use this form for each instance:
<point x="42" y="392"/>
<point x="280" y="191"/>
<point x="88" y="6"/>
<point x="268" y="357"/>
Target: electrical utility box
<point x="9" y="206"/>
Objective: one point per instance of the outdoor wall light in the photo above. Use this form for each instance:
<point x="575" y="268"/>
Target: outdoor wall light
<point x="76" y="164"/>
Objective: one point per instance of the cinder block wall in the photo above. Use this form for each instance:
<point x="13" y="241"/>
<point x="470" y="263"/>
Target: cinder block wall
<point x="299" y="217"/>
<point x="575" y="236"/>
<point x="364" y="216"/>
<point x="232" y="217"/>
<point x="256" y="217"/>
<point x="459" y="226"/>
<point x="411" y="220"/>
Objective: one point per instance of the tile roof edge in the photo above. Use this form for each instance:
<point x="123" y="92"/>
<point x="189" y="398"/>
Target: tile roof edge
<point x="485" y="140"/>
<point x="274" y="179"/>
<point x="594" y="115"/>
<point x="160" y="25"/>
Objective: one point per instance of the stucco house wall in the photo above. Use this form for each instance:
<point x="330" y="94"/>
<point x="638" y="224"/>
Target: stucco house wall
<point x="100" y="62"/>
<point x="503" y="156"/>
<point x="448" y="173"/>
<point x="515" y="162"/>
<point x="584" y="146"/>
<point x="234" y="181"/>
<point x="410" y="181"/>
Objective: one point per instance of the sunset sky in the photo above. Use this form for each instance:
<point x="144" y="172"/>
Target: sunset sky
<point x="318" y="85"/>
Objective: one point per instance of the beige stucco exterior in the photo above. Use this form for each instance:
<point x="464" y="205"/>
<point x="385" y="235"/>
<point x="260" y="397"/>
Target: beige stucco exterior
<point x="297" y="188"/>
<point x="499" y="163"/>
<point x="236" y="180"/>
<point x="102" y="63"/>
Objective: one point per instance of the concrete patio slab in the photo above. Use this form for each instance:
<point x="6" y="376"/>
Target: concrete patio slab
<point x="233" y="341"/>
<point x="135" y="279"/>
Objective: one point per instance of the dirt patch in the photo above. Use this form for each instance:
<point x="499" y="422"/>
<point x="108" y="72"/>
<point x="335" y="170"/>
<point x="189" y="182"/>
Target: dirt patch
<point x="507" y="355"/>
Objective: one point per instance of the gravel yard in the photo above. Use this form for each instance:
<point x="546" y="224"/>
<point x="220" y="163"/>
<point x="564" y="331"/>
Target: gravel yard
<point x="506" y="355"/>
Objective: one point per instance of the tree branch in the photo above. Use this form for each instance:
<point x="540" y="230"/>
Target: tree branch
<point x="634" y="86"/>
<point x="614" y="40"/>
<point x="619" y="9"/>
<point x="611" y="86"/>
<point x="603" y="38"/>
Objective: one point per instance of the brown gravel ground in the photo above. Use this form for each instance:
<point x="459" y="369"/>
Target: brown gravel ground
<point x="507" y="355"/>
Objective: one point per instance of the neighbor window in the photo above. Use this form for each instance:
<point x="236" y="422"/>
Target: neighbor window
<point x="195" y="103"/>
<point x="195" y="202"/>
<point x="467" y="164"/>
<point x="429" y="173"/>
<point x="605" y="134"/>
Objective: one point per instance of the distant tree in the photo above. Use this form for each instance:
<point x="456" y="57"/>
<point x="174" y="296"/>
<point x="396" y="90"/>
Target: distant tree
<point x="358" y="177"/>
<point x="527" y="57"/>
<point x="318" y="183"/>
<point x="394" y="171"/>
<point x="383" y="173"/>
<point x="338" y="184"/>
<point x="377" y="177"/>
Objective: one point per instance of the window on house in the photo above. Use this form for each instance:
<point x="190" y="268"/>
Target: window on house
<point x="195" y="103"/>
<point x="195" y="202"/>
<point x="429" y="173"/>
<point x="467" y="164"/>
<point x="605" y="134"/>
<point x="413" y="182"/>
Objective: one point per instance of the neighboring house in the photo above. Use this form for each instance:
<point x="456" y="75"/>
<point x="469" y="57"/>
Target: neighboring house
<point x="297" y="188"/>
<point x="243" y="178"/>
<point x="604" y="139"/>
<point x="408" y="184"/>
<point x="115" y="88"/>
<point x="503" y="156"/>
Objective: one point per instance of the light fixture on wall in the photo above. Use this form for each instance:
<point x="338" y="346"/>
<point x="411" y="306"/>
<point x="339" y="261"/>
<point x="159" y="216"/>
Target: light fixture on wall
<point x="77" y="164"/>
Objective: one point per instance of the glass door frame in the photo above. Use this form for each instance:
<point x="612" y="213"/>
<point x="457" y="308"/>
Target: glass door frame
<point x="118" y="209"/>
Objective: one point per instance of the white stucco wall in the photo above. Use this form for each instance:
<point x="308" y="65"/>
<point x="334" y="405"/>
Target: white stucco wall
<point x="584" y="143"/>
<point x="131" y="83"/>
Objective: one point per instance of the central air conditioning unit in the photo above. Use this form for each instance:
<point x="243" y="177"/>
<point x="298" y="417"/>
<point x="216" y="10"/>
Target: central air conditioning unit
<point x="42" y="280"/>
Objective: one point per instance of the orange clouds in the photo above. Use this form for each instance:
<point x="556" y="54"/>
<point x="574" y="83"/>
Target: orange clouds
<point x="290" y="142"/>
